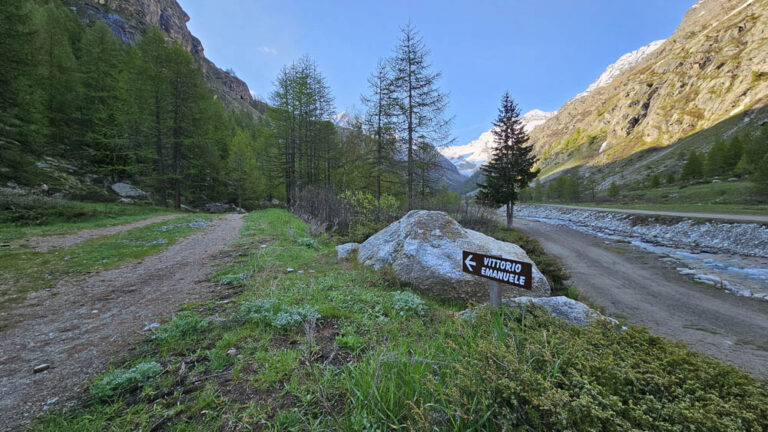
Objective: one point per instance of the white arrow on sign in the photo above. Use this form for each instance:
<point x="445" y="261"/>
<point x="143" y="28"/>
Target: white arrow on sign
<point x="469" y="263"/>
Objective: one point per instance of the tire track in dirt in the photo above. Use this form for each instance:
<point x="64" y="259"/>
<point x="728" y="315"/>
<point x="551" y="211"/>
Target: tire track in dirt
<point x="82" y="324"/>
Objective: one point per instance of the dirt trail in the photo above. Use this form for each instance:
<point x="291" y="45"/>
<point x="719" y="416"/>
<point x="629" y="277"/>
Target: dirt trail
<point x="43" y="244"/>
<point x="637" y="285"/>
<point x="79" y="326"/>
<point x="690" y="215"/>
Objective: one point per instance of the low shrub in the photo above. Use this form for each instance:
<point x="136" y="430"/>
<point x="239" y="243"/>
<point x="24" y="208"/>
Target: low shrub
<point x="275" y="314"/>
<point x="122" y="380"/>
<point x="408" y="303"/>
<point x="183" y="325"/>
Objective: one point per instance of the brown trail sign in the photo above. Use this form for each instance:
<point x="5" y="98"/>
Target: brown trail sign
<point x="498" y="270"/>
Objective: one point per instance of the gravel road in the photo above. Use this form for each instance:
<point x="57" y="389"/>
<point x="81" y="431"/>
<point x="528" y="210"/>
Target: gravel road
<point x="79" y="326"/>
<point x="641" y="287"/>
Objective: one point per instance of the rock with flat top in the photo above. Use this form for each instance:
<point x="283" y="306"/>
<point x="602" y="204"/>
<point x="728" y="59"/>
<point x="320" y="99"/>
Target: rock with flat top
<point x="425" y="248"/>
<point x="566" y="309"/>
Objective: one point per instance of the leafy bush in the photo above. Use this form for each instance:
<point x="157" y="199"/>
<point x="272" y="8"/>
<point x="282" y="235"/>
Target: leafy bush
<point x="308" y="243"/>
<point x="123" y="380"/>
<point x="408" y="303"/>
<point x="275" y="314"/>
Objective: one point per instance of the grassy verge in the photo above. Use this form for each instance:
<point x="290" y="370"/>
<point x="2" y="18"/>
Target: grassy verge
<point x="32" y="216"/>
<point x="336" y="346"/>
<point x="23" y="271"/>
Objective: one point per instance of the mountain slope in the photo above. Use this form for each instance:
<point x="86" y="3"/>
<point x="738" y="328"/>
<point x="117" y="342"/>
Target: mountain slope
<point x="128" y="19"/>
<point x="714" y="66"/>
<point x="468" y="158"/>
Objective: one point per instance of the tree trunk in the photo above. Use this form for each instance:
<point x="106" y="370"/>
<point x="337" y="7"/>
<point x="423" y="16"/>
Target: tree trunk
<point x="510" y="211"/>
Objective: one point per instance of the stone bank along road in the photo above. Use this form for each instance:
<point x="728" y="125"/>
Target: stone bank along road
<point x="81" y="325"/>
<point x="631" y="283"/>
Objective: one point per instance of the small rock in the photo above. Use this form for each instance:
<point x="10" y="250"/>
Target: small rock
<point x="41" y="368"/>
<point x="564" y="308"/>
<point x="300" y="272"/>
<point x="231" y="351"/>
<point x="151" y="326"/>
<point x="342" y="251"/>
<point x="126" y="201"/>
<point x="733" y="179"/>
<point x="289" y="270"/>
<point x="263" y="246"/>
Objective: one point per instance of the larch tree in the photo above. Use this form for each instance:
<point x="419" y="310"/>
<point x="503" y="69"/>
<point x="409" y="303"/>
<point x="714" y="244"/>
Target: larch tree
<point x="303" y="103"/>
<point x="511" y="167"/>
<point x="379" y="120"/>
<point x="420" y="102"/>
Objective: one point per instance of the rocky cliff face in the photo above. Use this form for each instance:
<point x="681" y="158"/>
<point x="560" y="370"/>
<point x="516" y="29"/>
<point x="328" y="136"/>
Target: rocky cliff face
<point x="129" y="18"/>
<point x="714" y="66"/>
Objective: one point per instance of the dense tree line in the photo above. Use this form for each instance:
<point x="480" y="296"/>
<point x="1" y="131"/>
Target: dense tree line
<point x="141" y="113"/>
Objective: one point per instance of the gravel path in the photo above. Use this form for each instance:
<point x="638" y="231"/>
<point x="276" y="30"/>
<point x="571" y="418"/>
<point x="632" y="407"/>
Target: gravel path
<point x="716" y="216"/>
<point x="82" y="324"/>
<point x="43" y="244"/>
<point x="639" y="286"/>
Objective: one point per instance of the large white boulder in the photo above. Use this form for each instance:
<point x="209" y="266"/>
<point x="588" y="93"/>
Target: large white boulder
<point x="424" y="248"/>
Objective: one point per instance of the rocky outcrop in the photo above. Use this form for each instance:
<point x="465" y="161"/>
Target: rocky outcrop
<point x="129" y="192"/>
<point x="129" y="18"/>
<point x="714" y="66"/>
<point x="424" y="248"/>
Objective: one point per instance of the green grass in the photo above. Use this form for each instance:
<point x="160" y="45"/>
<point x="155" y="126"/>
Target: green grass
<point x="377" y="360"/>
<point x="725" y="197"/>
<point x="33" y="216"/>
<point x="23" y="271"/>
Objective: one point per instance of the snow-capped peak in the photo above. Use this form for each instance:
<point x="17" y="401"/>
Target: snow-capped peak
<point x="624" y="63"/>
<point x="469" y="157"/>
<point x="343" y="119"/>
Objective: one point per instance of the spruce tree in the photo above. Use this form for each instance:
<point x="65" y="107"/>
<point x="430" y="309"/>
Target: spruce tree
<point x="511" y="167"/>
<point x="421" y="104"/>
<point x="694" y="167"/>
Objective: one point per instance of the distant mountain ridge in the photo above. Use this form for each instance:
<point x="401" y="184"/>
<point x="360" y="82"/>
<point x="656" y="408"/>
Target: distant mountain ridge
<point x="469" y="157"/>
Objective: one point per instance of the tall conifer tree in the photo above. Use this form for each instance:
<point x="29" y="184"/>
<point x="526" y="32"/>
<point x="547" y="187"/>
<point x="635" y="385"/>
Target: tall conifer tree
<point x="511" y="167"/>
<point x="421" y="104"/>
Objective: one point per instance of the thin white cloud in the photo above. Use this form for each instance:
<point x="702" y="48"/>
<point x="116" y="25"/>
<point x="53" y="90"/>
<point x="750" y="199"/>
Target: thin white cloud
<point x="267" y="50"/>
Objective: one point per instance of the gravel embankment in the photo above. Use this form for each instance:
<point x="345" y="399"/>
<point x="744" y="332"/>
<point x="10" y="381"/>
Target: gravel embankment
<point x="745" y="239"/>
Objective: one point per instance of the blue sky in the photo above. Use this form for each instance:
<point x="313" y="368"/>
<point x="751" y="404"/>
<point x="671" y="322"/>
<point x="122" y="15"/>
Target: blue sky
<point x="542" y="51"/>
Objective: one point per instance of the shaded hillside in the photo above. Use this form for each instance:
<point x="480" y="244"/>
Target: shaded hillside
<point x="128" y="19"/>
<point x="713" y="67"/>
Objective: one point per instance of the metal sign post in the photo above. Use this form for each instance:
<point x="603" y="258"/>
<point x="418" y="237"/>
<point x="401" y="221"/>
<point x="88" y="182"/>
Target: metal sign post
<point x="499" y="270"/>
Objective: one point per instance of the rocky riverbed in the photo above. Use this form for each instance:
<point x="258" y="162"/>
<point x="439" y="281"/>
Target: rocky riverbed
<point x="731" y="256"/>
